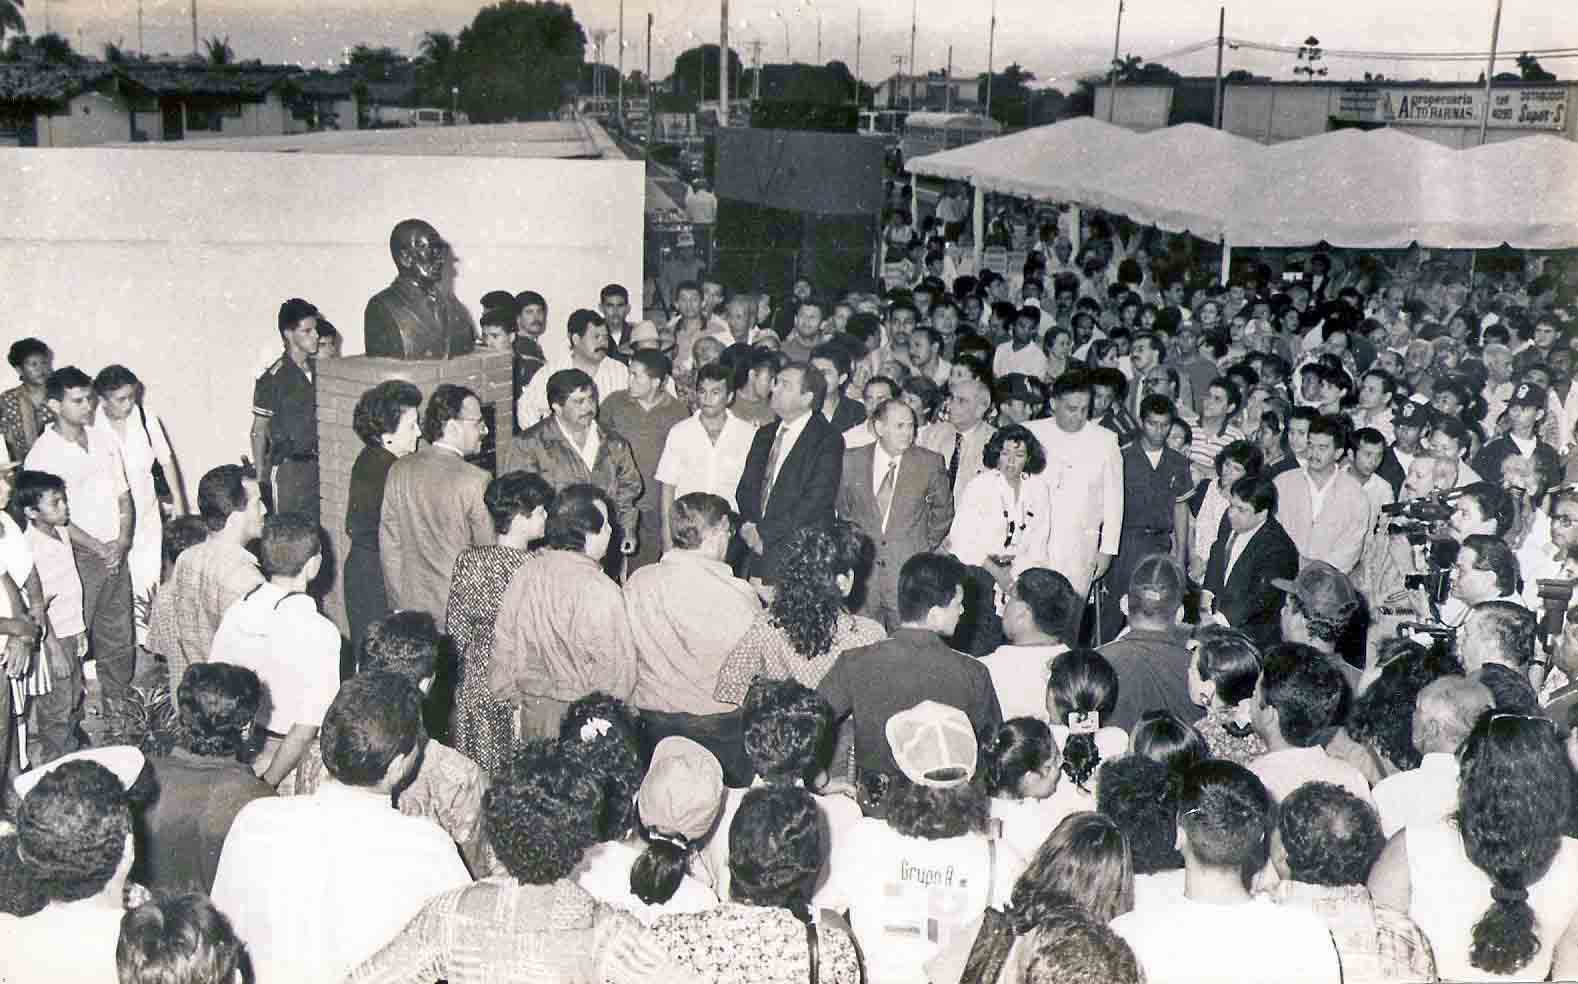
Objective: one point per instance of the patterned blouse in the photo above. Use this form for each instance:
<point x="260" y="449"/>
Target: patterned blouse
<point x="482" y="725"/>
<point x="1224" y="744"/>
<point x="766" y="651"/>
<point x="748" y="944"/>
<point x="12" y="427"/>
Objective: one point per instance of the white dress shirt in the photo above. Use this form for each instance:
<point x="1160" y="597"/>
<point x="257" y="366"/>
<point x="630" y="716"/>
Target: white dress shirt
<point x="95" y="479"/>
<point x="694" y="462"/>
<point x="611" y="377"/>
<point x="1427" y="794"/>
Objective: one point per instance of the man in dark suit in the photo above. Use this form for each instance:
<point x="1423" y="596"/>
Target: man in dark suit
<point x="1250" y="551"/>
<point x="900" y="496"/>
<point x="792" y="471"/>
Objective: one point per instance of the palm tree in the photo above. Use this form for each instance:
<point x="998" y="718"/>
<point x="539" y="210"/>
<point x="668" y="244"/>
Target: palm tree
<point x="11" y="17"/>
<point x="435" y="62"/>
<point x="218" y="50"/>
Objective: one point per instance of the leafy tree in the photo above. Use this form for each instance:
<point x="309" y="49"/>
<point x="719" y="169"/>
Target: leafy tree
<point x="1083" y="101"/>
<point x="380" y="64"/>
<point x="218" y="51"/>
<point x="1242" y="75"/>
<point x="114" y="53"/>
<point x="11" y="17"/>
<point x="1011" y="95"/>
<point x="49" y="47"/>
<point x="437" y="67"/>
<point x="1530" y="71"/>
<point x="695" y="75"/>
<point x="1132" y="70"/>
<point x="519" y="60"/>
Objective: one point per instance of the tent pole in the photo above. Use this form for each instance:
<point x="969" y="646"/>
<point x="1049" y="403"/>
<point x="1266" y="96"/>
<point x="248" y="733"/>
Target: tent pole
<point x="978" y="225"/>
<point x="1227" y="260"/>
<point x="1075" y="224"/>
<point x="914" y="200"/>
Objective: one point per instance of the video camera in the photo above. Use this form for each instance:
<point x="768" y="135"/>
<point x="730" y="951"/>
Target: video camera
<point x="1435" y="583"/>
<point x="1419" y="519"/>
<point x="1555" y="598"/>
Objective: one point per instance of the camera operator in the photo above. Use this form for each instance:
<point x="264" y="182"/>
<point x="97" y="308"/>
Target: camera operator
<point x="1546" y="545"/>
<point x="1498" y="648"/>
<point x="1485" y="570"/>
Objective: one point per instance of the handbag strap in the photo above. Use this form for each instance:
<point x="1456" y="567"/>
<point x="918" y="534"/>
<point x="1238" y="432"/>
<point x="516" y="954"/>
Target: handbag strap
<point x="813" y="946"/>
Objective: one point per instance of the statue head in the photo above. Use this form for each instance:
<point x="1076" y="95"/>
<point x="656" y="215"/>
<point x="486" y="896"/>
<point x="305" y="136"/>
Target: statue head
<point x="419" y="251"/>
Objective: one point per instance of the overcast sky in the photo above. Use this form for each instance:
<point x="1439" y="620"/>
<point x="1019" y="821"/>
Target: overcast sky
<point x="1053" y="38"/>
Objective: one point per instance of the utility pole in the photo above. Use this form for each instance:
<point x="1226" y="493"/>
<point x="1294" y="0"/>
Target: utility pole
<point x="756" y="67"/>
<point x="914" y="15"/>
<point x="857" y="56"/>
<point x="1112" y="84"/>
<point x="947" y="83"/>
<point x="991" y="52"/>
<point x="619" y="106"/>
<point x="651" y="93"/>
<point x="819" y="37"/>
<point x="898" y="78"/>
<point x="194" y="27"/>
<point x="1490" y="73"/>
<point x="723" y="64"/>
<point x="1221" y="27"/>
<point x="140" y="50"/>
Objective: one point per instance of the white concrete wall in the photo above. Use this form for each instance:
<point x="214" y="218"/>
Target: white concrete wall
<point x="90" y="118"/>
<point x="175" y="262"/>
<point x="1140" y="107"/>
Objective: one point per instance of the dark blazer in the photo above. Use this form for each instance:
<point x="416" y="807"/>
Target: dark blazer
<point x="803" y="495"/>
<point x="1248" y="600"/>
<point x="849" y="415"/>
<point x="918" y="520"/>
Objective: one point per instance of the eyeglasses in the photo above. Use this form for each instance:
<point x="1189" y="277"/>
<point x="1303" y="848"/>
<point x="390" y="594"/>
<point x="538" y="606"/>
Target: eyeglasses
<point x="1564" y="521"/>
<point x="1503" y="715"/>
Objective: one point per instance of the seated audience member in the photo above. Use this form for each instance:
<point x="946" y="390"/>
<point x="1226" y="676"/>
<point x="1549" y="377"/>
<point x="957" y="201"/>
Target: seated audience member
<point x="210" y="576"/>
<point x="447" y="786"/>
<point x="1300" y="696"/>
<point x="277" y="632"/>
<point x="562" y="631"/>
<point x="808" y="624"/>
<point x="204" y="781"/>
<point x="1377" y="737"/>
<point x="1141" y="796"/>
<point x="1224" y="674"/>
<point x="180" y="939"/>
<point x="687" y="613"/>
<point x="789" y="738"/>
<point x="1324" y="845"/>
<point x="1494" y="887"/>
<point x="1251" y="551"/>
<point x="1083" y="863"/>
<point x="1167" y="738"/>
<point x="873" y="683"/>
<point x="316" y="884"/>
<point x="1022" y="767"/>
<point x="1497" y="641"/>
<point x="1040" y="616"/>
<point x="913" y="882"/>
<point x="611" y="733"/>
<point x="1150" y="658"/>
<point x="71" y="857"/>
<point x="530" y="921"/>
<point x="1082" y="690"/>
<point x="766" y="930"/>
<point x="1071" y="946"/>
<point x="1319" y="606"/>
<point x="1444" y="714"/>
<point x="1218" y="931"/>
<point x="649" y="875"/>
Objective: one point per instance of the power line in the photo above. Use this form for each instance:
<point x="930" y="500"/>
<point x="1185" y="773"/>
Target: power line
<point x="1355" y="54"/>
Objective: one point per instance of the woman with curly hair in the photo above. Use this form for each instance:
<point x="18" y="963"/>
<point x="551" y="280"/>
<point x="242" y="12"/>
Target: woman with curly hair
<point x="72" y="854"/>
<point x="914" y="881"/>
<point x="1083" y="863"/>
<point x="1081" y="693"/>
<point x="1001" y="523"/>
<point x="531" y="922"/>
<point x="767" y="932"/>
<point x="205" y="780"/>
<point x="1494" y="887"/>
<point x="518" y="504"/>
<point x="808" y="624"/>
<point x="609" y="733"/>
<point x="385" y="419"/>
<point x="1377" y="738"/>
<point x="1140" y="795"/>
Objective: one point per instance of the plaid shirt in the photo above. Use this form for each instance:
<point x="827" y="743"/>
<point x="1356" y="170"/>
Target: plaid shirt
<point x="1373" y="943"/>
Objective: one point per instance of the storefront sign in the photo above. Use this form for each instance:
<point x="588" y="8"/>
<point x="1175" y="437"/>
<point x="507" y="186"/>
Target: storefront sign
<point x="1522" y="108"/>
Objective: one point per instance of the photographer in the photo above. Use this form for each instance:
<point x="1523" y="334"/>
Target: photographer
<point x="1485" y="570"/>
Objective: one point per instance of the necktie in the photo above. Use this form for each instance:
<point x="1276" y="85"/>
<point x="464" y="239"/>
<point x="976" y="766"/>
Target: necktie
<point x="953" y="460"/>
<point x="1227" y="558"/>
<point x="885" y="491"/>
<point x="772" y="467"/>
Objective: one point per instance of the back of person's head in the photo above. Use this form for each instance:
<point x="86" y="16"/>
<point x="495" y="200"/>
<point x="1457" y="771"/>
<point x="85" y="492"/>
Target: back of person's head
<point x="809" y="600"/>
<point x="516" y="493"/>
<point x="1382" y="717"/>
<point x="543" y="809"/>
<point x="1070" y="946"/>
<point x="181" y="534"/>
<point x="1011" y="751"/>
<point x="1085" y="860"/>
<point x="73" y="831"/>
<point x="222" y="491"/>
<point x="1054" y="607"/>
<point x="183" y="939"/>
<point x="443" y="406"/>
<point x="288" y="544"/>
<point x="1224" y="812"/>
<point x="376" y="717"/>
<point x="1446" y="710"/>
<point x="1156" y="589"/>
<point x="609" y="733"/>
<point x="1082" y="690"/>
<point x="927" y="581"/>
<point x="575" y="517"/>
<point x="698" y="514"/>
<point x="1503" y="632"/>
<point x="1305" y="690"/>
<point x="678" y="803"/>
<point x="404" y="642"/>
<point x="1167" y="738"/>
<point x="1229" y="661"/>
<point x="1514" y="793"/>
<point x="1140" y="794"/>
<point x="1329" y="836"/>
<point x="217" y="703"/>
<point x="775" y="849"/>
<point x="788" y="729"/>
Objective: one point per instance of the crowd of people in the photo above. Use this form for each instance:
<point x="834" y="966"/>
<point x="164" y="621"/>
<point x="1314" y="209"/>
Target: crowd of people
<point x="1084" y="622"/>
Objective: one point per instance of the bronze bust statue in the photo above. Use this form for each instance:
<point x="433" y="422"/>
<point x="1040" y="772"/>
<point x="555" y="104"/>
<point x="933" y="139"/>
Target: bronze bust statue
<point x="418" y="316"/>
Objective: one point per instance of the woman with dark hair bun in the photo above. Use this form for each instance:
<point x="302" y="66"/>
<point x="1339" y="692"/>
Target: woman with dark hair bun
<point x="1022" y="768"/>
<point x="1495" y="887"/>
<point x="808" y="623"/>
<point x="1081" y="693"/>
<point x="385" y="419"/>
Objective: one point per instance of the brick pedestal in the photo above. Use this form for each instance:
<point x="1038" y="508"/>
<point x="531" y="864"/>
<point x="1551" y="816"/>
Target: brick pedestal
<point x="341" y="382"/>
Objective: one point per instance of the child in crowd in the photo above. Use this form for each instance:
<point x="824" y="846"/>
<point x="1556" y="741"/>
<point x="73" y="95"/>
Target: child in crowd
<point x="57" y="680"/>
<point x="1022" y="767"/>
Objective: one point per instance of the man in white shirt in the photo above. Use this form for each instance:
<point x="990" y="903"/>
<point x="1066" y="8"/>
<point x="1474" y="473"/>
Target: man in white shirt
<point x="706" y="452"/>
<point x="1298" y="698"/>
<point x="316" y="884"/>
<point x="1039" y="616"/>
<point x="1320" y="504"/>
<point x="1444" y="714"/>
<point x="1022" y="352"/>
<point x="102" y="522"/>
<point x="1218" y="931"/>
<point x="589" y="348"/>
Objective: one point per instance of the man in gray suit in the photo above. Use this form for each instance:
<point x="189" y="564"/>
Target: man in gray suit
<point x="433" y="506"/>
<point x="900" y="496"/>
